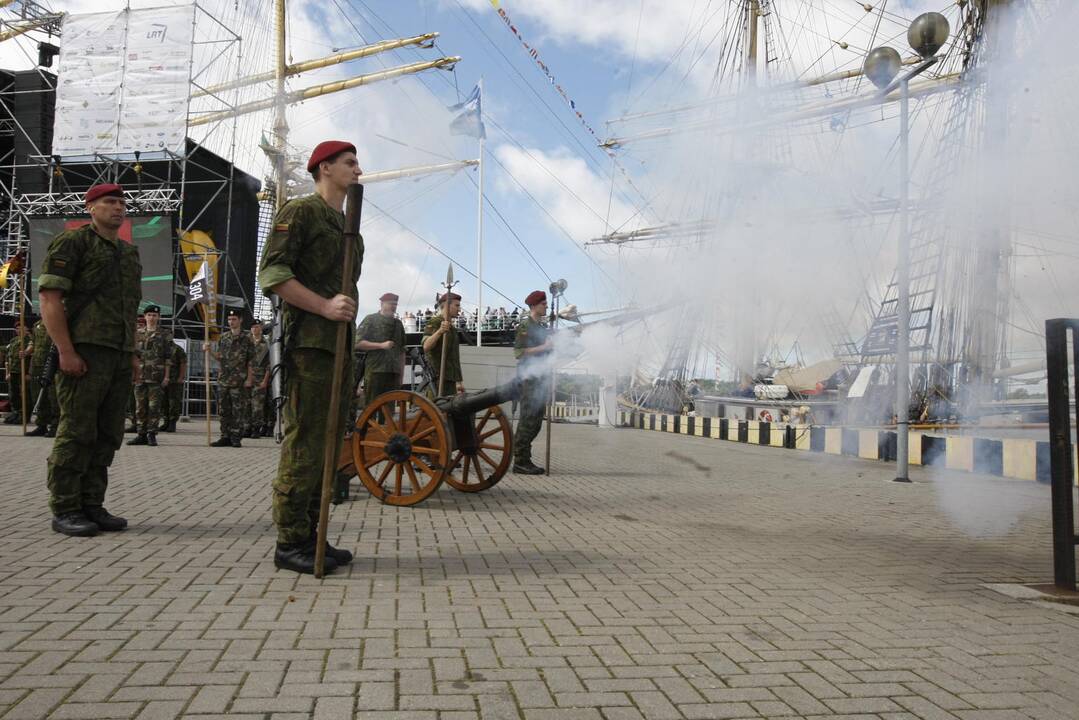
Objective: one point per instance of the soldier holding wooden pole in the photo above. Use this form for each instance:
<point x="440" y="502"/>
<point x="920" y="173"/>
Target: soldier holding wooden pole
<point x="312" y="262"/>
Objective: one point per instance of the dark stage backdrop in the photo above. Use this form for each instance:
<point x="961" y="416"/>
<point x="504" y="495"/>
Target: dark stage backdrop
<point x="151" y="234"/>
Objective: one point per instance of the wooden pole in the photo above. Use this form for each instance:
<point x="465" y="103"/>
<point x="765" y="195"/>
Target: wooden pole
<point x="445" y="343"/>
<point x="550" y="396"/>
<point x="330" y="448"/>
<point x="206" y="311"/>
<point x="24" y="410"/>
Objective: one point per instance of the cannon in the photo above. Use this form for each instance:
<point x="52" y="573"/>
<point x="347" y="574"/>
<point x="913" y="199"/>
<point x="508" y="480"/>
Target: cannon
<point x="404" y="445"/>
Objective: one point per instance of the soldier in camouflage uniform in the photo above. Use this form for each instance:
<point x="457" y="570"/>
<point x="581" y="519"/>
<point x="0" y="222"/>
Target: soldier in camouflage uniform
<point x="17" y="347"/>
<point x="437" y="331"/>
<point x="531" y="347"/>
<point x="48" y="413"/>
<point x="174" y="393"/>
<point x="301" y="263"/>
<point x="234" y="380"/>
<point x="257" y="422"/>
<point x="154" y="350"/>
<point x="90" y="289"/>
<point x="382" y="336"/>
<point x="140" y="329"/>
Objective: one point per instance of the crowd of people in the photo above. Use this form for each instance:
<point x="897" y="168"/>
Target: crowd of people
<point x="90" y="293"/>
<point x="493" y="319"/>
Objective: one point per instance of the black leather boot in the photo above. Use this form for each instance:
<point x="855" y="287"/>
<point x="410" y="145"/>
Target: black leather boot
<point x="171" y="426"/>
<point x="74" y="524"/>
<point x="236" y="442"/>
<point x="526" y="467"/>
<point x="39" y="431"/>
<point x="50" y="432"/>
<point x="139" y="439"/>
<point x="151" y="439"/>
<point x="301" y="558"/>
<point x="104" y="519"/>
<point x="341" y="557"/>
<point x="222" y="441"/>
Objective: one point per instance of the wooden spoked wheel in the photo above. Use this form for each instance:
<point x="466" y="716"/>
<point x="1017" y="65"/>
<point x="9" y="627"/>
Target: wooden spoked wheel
<point x="401" y="448"/>
<point x="482" y="469"/>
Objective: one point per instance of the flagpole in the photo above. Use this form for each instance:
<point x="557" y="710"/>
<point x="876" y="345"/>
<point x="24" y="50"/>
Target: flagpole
<point x="479" y="239"/>
<point x="206" y="310"/>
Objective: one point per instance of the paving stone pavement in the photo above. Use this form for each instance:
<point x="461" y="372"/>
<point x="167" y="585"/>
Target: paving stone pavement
<point x="651" y="576"/>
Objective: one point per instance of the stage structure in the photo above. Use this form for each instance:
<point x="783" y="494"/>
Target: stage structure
<point x="124" y="107"/>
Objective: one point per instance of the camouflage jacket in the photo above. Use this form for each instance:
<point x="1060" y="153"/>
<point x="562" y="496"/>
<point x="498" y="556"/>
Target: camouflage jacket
<point x="453" y="352"/>
<point x="530" y="334"/>
<point x="11" y="355"/>
<point x="376" y="327"/>
<point x="236" y="353"/>
<point x="155" y="353"/>
<point x="179" y="357"/>
<point x="101" y="282"/>
<point x="260" y="358"/>
<point x="42" y="346"/>
<point x="306" y="244"/>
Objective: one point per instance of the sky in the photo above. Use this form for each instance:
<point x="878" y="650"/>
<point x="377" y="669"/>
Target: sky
<point x="549" y="188"/>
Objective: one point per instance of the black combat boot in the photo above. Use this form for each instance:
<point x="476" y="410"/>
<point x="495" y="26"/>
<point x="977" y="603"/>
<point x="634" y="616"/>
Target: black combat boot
<point x="341" y="557"/>
<point x="164" y="426"/>
<point x="39" y="431"/>
<point x="104" y="519"/>
<point x="139" y="439"/>
<point x="526" y="467"/>
<point x="74" y="524"/>
<point x="171" y="427"/>
<point x="222" y="441"/>
<point x="236" y="440"/>
<point x="51" y="431"/>
<point x="151" y="439"/>
<point x="301" y="558"/>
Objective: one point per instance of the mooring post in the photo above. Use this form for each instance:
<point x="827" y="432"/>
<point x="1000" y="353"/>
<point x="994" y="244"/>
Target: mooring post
<point x="1061" y="471"/>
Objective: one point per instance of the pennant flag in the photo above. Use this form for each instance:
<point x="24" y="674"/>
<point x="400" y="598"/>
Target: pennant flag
<point x="470" y="120"/>
<point x="198" y="292"/>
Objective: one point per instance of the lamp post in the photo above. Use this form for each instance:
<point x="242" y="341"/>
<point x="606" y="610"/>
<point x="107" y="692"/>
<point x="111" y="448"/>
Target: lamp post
<point x="926" y="35"/>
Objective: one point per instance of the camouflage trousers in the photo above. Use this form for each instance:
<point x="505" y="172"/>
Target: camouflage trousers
<point x="377" y="383"/>
<point x="172" y="401"/>
<point x="258" y="408"/>
<point x="15" y="392"/>
<point x="534" y="397"/>
<point x="297" y="487"/>
<point x="91" y="428"/>
<point x="232" y="404"/>
<point x="148" y="400"/>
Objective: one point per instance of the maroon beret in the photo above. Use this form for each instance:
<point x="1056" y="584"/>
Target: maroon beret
<point x="535" y="298"/>
<point x="101" y="191"/>
<point x="453" y="296"/>
<point x="326" y="150"/>
<point x="389" y="297"/>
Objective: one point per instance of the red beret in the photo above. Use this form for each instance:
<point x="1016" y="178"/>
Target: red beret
<point x="387" y="297"/>
<point x="535" y="298"/>
<point x="326" y="150"/>
<point x="101" y="191"/>
<point x="453" y="296"/>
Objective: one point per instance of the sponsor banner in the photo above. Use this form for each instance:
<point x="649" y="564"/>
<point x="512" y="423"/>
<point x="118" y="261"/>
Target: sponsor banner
<point x="156" y="79"/>
<point x="123" y="81"/>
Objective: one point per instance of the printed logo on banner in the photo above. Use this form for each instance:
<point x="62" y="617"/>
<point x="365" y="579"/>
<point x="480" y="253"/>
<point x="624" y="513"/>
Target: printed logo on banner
<point x="157" y="32"/>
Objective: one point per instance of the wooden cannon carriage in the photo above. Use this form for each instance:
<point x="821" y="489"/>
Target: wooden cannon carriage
<point x="405" y="445"/>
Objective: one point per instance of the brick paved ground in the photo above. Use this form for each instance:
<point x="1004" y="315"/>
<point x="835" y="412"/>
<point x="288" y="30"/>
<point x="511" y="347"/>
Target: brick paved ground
<point x="652" y="576"/>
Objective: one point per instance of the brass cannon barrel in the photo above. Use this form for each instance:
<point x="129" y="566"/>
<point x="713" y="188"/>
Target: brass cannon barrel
<point x="474" y="402"/>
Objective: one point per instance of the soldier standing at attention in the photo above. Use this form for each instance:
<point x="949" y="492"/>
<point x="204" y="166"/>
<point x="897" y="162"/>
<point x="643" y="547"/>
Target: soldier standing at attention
<point x="260" y="362"/>
<point x="154" y="350"/>
<point x="16" y="348"/>
<point x="140" y="329"/>
<point x="47" y="412"/>
<point x="531" y="347"/>
<point x="437" y="331"/>
<point x="234" y="380"/>
<point x="90" y="289"/>
<point x="174" y="393"/>
<point x="382" y="337"/>
<point x="301" y="264"/>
